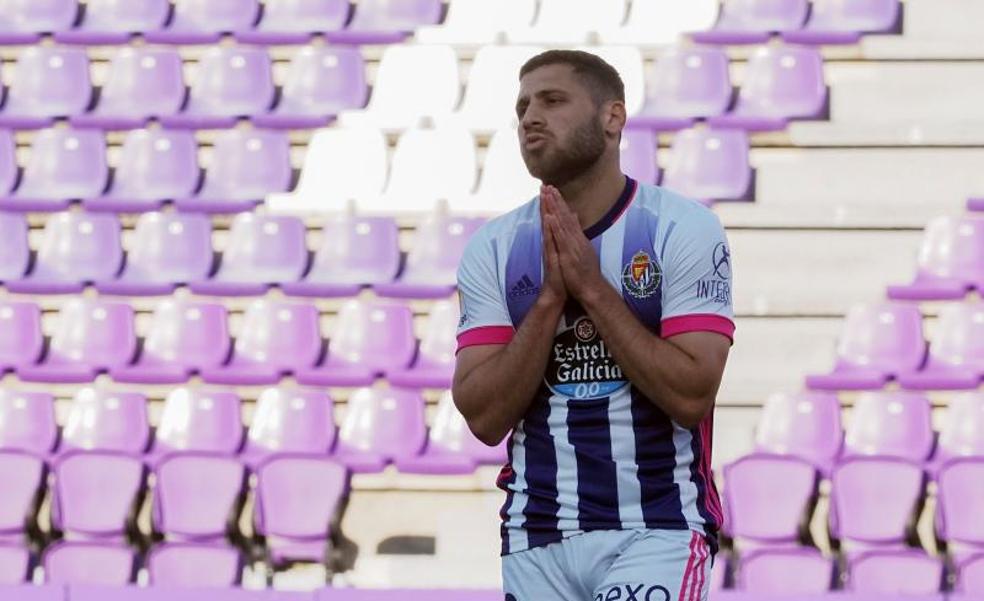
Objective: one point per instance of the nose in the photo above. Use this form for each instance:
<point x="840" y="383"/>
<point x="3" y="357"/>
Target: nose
<point x="532" y="119"/>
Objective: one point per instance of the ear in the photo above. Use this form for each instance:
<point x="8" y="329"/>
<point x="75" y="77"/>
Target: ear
<point x="614" y="118"/>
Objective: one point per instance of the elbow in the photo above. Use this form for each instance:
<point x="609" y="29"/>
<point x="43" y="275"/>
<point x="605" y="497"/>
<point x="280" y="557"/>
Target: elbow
<point x="487" y="434"/>
<point x="693" y="412"/>
<point x="479" y="421"/>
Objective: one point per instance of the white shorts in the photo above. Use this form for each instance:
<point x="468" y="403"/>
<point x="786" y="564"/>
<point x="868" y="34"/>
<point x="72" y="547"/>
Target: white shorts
<point x="612" y="565"/>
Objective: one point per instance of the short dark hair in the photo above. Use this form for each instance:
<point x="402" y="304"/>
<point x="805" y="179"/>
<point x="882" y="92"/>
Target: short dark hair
<point x="601" y="79"/>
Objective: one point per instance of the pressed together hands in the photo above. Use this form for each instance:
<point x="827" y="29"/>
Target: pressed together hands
<point x="570" y="262"/>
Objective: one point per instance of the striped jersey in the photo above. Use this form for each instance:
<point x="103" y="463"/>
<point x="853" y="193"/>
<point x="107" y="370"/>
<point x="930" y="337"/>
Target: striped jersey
<point x="592" y="452"/>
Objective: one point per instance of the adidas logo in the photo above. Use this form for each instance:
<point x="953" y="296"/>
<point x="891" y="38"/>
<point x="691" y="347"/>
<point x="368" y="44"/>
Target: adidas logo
<point x="524" y="287"/>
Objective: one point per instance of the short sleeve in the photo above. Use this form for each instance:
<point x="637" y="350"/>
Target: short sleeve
<point x="484" y="315"/>
<point x="697" y="268"/>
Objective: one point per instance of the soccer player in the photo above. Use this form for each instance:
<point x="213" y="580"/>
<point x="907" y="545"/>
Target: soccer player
<point x="596" y="322"/>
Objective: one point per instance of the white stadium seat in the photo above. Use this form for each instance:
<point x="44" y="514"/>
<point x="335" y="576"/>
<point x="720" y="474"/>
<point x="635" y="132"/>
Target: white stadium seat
<point x="505" y="183"/>
<point x="661" y="22"/>
<point x="476" y="22"/>
<point x="565" y="22"/>
<point x="493" y="85"/>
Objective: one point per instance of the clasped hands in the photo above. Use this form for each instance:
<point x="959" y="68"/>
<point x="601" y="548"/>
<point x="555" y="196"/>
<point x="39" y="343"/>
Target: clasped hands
<point x="570" y="261"/>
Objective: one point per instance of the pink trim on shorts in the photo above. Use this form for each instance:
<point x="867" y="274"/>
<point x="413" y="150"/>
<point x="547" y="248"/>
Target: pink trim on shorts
<point x="689" y="571"/>
<point x="485" y="335"/>
<point x="698" y="322"/>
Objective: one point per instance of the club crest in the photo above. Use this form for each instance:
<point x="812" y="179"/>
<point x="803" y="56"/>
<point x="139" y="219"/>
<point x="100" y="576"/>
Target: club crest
<point x="641" y="276"/>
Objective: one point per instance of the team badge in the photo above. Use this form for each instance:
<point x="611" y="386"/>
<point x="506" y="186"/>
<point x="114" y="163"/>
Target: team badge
<point x="641" y="276"/>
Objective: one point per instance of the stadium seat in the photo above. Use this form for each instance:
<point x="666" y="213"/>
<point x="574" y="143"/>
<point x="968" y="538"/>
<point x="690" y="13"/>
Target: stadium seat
<point x="232" y="82"/>
<point x="342" y="265"/>
<point x="560" y="22"/>
<point x="21" y="339"/>
<point x="489" y="101"/>
<point x="291" y="421"/>
<point x="297" y="498"/>
<point x="381" y="426"/>
<point x="23" y="21"/>
<point x="785" y="571"/>
<point x="686" y="83"/>
<point x="274" y="338"/>
<point x="805" y="425"/>
<point x="753" y="21"/>
<point x="950" y="263"/>
<point x="8" y="162"/>
<point x="321" y="82"/>
<point x="970" y="575"/>
<point x="956" y="352"/>
<point x="505" y="182"/>
<point x="23" y="481"/>
<point x="95" y="494"/>
<point x="960" y="491"/>
<point x="891" y="424"/>
<point x="115" y="21"/>
<point x="204" y="21"/>
<point x="434" y="365"/>
<point x="262" y="250"/>
<point x="432" y="263"/>
<point x="197" y="496"/>
<point x="476" y="22"/>
<point x="194" y="565"/>
<point x="63" y="165"/>
<point x="843" y="21"/>
<point x="107" y="420"/>
<point x="873" y="499"/>
<point x="975" y="204"/>
<point x="47" y="82"/>
<point x="183" y="337"/>
<point x="296" y="21"/>
<point x="96" y="563"/>
<point x="15" y="254"/>
<point x="246" y="165"/>
<point x="769" y="498"/>
<point x="895" y="572"/>
<point x="637" y="151"/>
<point x="709" y="165"/>
<point x="386" y="22"/>
<point x="27" y="422"/>
<point x="781" y="83"/>
<point x="16" y="565"/>
<point x="962" y="432"/>
<point x="166" y="249"/>
<point x="368" y="340"/>
<point x="661" y="22"/>
<point x="199" y="420"/>
<point x="878" y="341"/>
<point x="156" y="165"/>
<point x="142" y="83"/>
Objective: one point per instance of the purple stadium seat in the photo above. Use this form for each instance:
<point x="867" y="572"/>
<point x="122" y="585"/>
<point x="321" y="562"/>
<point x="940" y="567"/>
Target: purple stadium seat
<point x="753" y="21"/>
<point x="895" y="572"/>
<point x="891" y="424"/>
<point x="33" y="592"/>
<point x="962" y="434"/>
<point x="687" y="83"/>
<point x="381" y="426"/>
<point x="709" y="165"/>
<point x="8" y="162"/>
<point x="637" y="152"/>
<point x="21" y="339"/>
<point x="90" y="337"/>
<point x="89" y="563"/>
<point x="781" y="83"/>
<point x="64" y="165"/>
<point x="878" y="342"/>
<point x="15" y="567"/>
<point x="143" y="83"/>
<point x="843" y="21"/>
<point x="204" y="21"/>
<point x="115" y="21"/>
<point x="975" y="204"/>
<point x="970" y="576"/>
<point x="434" y="366"/>
<point x="22" y="21"/>
<point x="432" y="262"/>
<point x="769" y="498"/>
<point x="15" y="253"/>
<point x="48" y="82"/>
<point x="951" y="261"/>
<point x="155" y="165"/>
<point x="232" y="82"/>
<point x="387" y="22"/>
<point x="262" y="250"/>
<point x="194" y="565"/>
<point x="368" y="340"/>
<point x="275" y="338"/>
<point x="23" y="480"/>
<point x="806" y="425"/>
<point x="297" y="498"/>
<point x="106" y="420"/>
<point x="196" y="419"/>
<point x="95" y="494"/>
<point x="960" y="493"/>
<point x="291" y="421"/>
<point x="197" y="496"/>
<point x="166" y="249"/>
<point x="341" y="265"/>
<point x="296" y="21"/>
<point x="789" y="572"/>
<point x="956" y="353"/>
<point x="27" y="422"/>
<point x="183" y="338"/>
<point x="245" y="167"/>
<point x="321" y="82"/>
<point x="873" y="499"/>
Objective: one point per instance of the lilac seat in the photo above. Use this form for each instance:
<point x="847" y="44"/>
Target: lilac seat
<point x="297" y="498"/>
<point x="291" y="421"/>
<point x="197" y="496"/>
<point x="962" y="433"/>
<point x="23" y="21"/>
<point x="16" y="567"/>
<point x="878" y="342"/>
<point x="341" y="265"/>
<point x="8" y="162"/>
<point x="106" y="420"/>
<point x="23" y="480"/>
<point x="708" y="165"/>
<point x="166" y="249"/>
<point x="781" y="83"/>
<point x="245" y="167"/>
<point x="387" y="22"/>
<point x="895" y="572"/>
<point x="296" y="21"/>
<point x="368" y="341"/>
<point x="21" y="339"/>
<point x="199" y="420"/>
<point x="769" y="498"/>
<point x="27" y="422"/>
<point x="891" y="424"/>
<point x="959" y="495"/>
<point x="975" y="204"/>
<point x="274" y="339"/>
<point x="48" y="82"/>
<point x="951" y="261"/>
<point x="194" y="565"/>
<point x="15" y="254"/>
<point x="262" y="250"/>
<point x="142" y="83"/>
<point x="843" y="21"/>
<point x="970" y="576"/>
<point x="204" y="21"/>
<point x="232" y="82"/>
<point x="183" y="338"/>
<point x="90" y="337"/>
<point x="95" y="495"/>
<point x="805" y="425"/>
<point x="64" y="165"/>
<point x="33" y="592"/>
<point x="637" y="152"/>
<point x="90" y="563"/>
<point x="155" y="165"/>
<point x="873" y="499"/>
<point x="432" y="263"/>
<point x="115" y="21"/>
<point x="381" y="426"/>
<point x="752" y="21"/>
<point x="434" y="365"/>
<point x="686" y="84"/>
<point x="956" y="353"/>
<point x="321" y="82"/>
<point x="789" y="571"/>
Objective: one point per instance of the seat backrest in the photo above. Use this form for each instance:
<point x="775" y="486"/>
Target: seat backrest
<point x="8" y="162"/>
<point x="667" y="20"/>
<point x="215" y="15"/>
<point x="248" y="165"/>
<point x="15" y="252"/>
<point x="709" y="164"/>
<point x="304" y="15"/>
<point x="430" y="165"/>
<point x="21" y="338"/>
<point x="580" y="15"/>
<point x="374" y="335"/>
<point x="637" y="153"/>
<point x="449" y="434"/>
<point x="691" y="81"/>
<point x="188" y="333"/>
<point x="789" y="571"/>
<point x="170" y="247"/>
<point x="884" y="336"/>
<point x="357" y="250"/>
<point x="284" y="335"/>
<point x="764" y="15"/>
<point x="505" y="182"/>
<point x="873" y="499"/>
<point x="94" y="492"/>
<point x="23" y="477"/>
<point x="157" y="164"/>
<point x="37" y="16"/>
<point x="125" y="15"/>
<point x="389" y="422"/>
<point x="105" y="420"/>
<point x="79" y="247"/>
<point x="50" y="81"/>
<point x="143" y="81"/>
<point x="959" y="336"/>
<point x="89" y="564"/>
<point x="490" y="96"/>
<point x="439" y="342"/>
<point x="384" y="15"/>
<point x="265" y="248"/>
<point x="194" y="419"/>
<point x="893" y="424"/>
<point x="805" y="424"/>
<point x="962" y="434"/>
<point x="326" y="79"/>
<point x="961" y="492"/>
<point x="195" y="494"/>
<point x="293" y="420"/>
<point x="397" y="90"/>
<point x="297" y="497"/>
<point x="65" y="163"/>
<point x="895" y="572"/>
<point x="95" y="333"/>
<point x="855" y="15"/>
<point x="768" y="497"/>
<point x="233" y="80"/>
<point x="438" y="245"/>
<point x="27" y="421"/>
<point x="787" y="81"/>
<point x="953" y="247"/>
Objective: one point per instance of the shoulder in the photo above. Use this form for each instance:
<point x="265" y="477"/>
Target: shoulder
<point x="674" y="207"/>
<point x="498" y="232"/>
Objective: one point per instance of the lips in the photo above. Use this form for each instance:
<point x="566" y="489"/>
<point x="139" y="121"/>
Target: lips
<point x="534" y="139"/>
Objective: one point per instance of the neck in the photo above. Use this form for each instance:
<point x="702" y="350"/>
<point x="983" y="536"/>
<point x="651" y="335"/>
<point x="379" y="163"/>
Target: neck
<point x="591" y="194"/>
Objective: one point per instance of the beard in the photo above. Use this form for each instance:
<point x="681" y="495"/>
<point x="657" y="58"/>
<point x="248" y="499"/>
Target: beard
<point x="560" y="164"/>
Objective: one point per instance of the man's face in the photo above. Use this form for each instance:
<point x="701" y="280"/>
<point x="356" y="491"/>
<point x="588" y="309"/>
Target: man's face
<point x="560" y="129"/>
